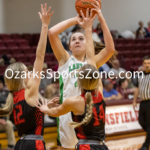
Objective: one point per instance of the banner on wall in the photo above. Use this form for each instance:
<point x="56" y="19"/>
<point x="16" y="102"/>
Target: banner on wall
<point x="133" y="143"/>
<point x="121" y="118"/>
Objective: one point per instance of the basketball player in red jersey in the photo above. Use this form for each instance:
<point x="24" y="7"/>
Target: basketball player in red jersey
<point x="88" y="109"/>
<point x="28" y="120"/>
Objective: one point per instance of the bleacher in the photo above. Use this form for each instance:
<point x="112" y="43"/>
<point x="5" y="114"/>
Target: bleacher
<point x="22" y="47"/>
<point x="131" y="52"/>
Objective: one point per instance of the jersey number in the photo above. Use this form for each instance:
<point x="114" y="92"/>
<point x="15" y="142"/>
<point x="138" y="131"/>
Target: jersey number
<point x="100" y="116"/>
<point x="17" y="115"/>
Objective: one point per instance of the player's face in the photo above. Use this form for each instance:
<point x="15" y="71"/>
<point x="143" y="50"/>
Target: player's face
<point x="146" y="65"/>
<point x="125" y="84"/>
<point x="77" y="43"/>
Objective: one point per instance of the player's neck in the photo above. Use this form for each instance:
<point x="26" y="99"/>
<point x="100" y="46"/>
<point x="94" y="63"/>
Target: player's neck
<point x="80" y="57"/>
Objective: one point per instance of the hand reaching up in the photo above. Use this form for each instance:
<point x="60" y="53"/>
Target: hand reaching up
<point x="97" y="9"/>
<point x="86" y="21"/>
<point x="45" y="14"/>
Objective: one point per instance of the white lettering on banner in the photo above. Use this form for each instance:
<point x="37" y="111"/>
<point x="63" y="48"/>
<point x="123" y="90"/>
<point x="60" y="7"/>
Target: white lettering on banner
<point x="121" y="118"/>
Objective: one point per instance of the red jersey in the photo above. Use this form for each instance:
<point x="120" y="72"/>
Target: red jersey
<point x="95" y="129"/>
<point x="27" y="119"/>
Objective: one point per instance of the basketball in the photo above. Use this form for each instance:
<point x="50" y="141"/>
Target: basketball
<point x="84" y="4"/>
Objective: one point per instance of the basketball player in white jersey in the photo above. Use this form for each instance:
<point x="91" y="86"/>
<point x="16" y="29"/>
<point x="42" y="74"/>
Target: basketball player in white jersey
<point x="69" y="64"/>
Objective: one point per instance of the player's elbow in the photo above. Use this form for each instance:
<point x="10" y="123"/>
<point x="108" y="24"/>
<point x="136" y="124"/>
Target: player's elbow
<point x="52" y="34"/>
<point x="111" y="49"/>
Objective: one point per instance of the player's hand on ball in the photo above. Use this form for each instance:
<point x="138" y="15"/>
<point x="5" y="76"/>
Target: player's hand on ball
<point x="97" y="7"/>
<point x="86" y="21"/>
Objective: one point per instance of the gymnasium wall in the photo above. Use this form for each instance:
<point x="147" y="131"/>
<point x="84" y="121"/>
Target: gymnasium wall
<point x="125" y="14"/>
<point x="1" y="16"/>
<point x="20" y="16"/>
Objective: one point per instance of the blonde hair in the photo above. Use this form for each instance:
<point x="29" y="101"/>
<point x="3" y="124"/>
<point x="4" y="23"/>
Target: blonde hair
<point x="86" y="78"/>
<point x="89" y="111"/>
<point x="12" y="76"/>
<point x="88" y="84"/>
<point x="13" y="84"/>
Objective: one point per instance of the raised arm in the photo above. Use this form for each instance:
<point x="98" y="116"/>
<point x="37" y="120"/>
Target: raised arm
<point x="103" y="56"/>
<point x="86" y="23"/>
<point x="56" y="44"/>
<point x="31" y="92"/>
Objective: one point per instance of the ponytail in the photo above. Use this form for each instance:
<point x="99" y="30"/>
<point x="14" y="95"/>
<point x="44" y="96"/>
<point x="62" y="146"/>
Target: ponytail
<point x="89" y="111"/>
<point x="7" y="109"/>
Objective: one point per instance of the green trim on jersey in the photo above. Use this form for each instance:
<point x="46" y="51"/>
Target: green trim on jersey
<point x="61" y="86"/>
<point x="58" y="135"/>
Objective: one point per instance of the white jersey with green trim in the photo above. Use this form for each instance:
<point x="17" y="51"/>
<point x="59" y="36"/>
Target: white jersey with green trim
<point x="68" y="88"/>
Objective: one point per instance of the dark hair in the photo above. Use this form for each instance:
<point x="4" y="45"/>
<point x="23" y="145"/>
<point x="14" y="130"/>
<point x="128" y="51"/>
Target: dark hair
<point x="76" y="28"/>
<point x="121" y="81"/>
<point x="1" y="82"/>
<point x="6" y="59"/>
<point x="146" y="57"/>
<point x="54" y="80"/>
<point x="98" y="47"/>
